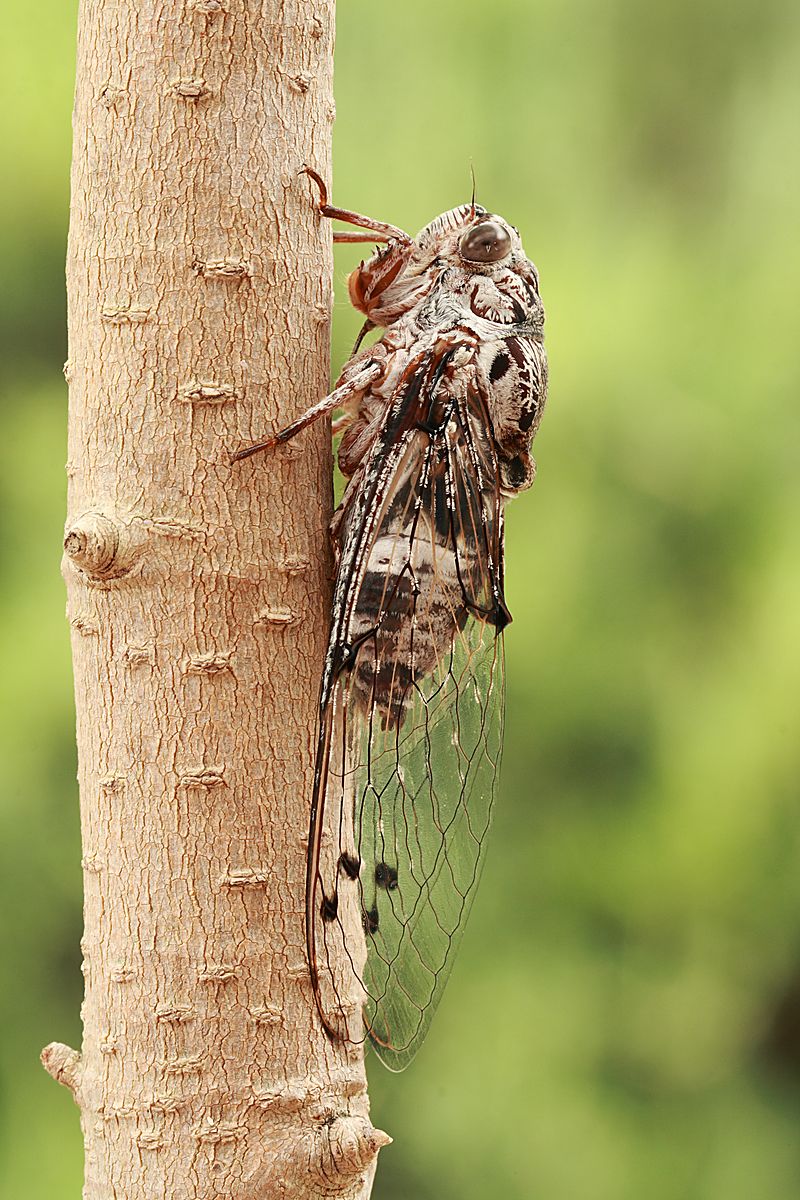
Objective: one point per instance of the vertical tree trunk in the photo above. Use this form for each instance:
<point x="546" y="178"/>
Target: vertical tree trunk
<point x="199" y="296"/>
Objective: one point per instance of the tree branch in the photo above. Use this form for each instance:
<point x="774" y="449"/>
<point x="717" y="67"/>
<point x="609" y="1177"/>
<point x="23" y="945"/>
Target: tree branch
<point x="199" y="283"/>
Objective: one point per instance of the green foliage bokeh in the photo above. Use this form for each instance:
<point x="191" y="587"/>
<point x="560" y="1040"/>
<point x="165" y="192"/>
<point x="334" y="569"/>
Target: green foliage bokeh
<point x="624" y="1018"/>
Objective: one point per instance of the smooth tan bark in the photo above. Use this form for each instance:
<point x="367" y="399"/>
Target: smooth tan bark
<point x="199" y="282"/>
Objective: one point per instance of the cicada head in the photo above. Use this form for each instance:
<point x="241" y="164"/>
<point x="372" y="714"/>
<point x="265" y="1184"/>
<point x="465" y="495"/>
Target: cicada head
<point x="488" y="273"/>
<point x="465" y="242"/>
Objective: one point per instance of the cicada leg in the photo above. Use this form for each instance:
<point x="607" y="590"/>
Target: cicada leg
<point x="341" y="423"/>
<point x="375" y="231"/>
<point x="371" y="279"/>
<point x="347" y="391"/>
<point x="362" y="333"/>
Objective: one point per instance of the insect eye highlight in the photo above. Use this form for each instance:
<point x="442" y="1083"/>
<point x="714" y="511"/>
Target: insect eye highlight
<point x="485" y="243"/>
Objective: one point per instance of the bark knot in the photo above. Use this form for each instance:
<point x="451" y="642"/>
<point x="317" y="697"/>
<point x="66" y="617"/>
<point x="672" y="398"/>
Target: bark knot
<point x="221" y="268"/>
<point x="302" y="81"/>
<point x="207" y="393"/>
<point x="63" y="1063"/>
<point x="110" y="95"/>
<point x="208" y="664"/>
<point x="190" y="89"/>
<point x="347" y="1146"/>
<point x="94" y="543"/>
<point x="124" y="314"/>
<point x="276" y="616"/>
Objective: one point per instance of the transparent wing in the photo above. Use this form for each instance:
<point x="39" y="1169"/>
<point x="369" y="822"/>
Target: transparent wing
<point x="412" y="725"/>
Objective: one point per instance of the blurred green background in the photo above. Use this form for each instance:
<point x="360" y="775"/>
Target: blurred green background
<point x="624" y="1018"/>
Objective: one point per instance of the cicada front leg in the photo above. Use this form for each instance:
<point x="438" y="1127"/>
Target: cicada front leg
<point x="370" y="280"/>
<point x="368" y="284"/>
<point x="374" y="231"/>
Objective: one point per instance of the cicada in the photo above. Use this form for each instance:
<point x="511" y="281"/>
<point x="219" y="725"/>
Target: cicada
<point x="437" y="418"/>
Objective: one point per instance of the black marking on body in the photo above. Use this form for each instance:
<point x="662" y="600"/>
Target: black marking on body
<point x="329" y="907"/>
<point x="517" y="352"/>
<point x="514" y="376"/>
<point x="528" y="417"/>
<point x="349" y="865"/>
<point x="532" y="290"/>
<point x="516" y="472"/>
<point x="370" y="919"/>
<point x="386" y="876"/>
<point x="499" y="367"/>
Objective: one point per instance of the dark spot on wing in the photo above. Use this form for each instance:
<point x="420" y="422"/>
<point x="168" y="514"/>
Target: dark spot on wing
<point x="329" y="907"/>
<point x="370" y="920"/>
<point x="499" y="367"/>
<point x="386" y="876"/>
<point x="349" y="865"/>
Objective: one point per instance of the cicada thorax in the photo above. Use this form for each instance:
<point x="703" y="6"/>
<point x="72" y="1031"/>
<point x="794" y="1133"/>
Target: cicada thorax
<point x="505" y="300"/>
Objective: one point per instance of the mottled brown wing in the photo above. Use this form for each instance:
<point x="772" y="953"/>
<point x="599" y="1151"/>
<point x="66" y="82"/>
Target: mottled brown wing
<point x="410" y="722"/>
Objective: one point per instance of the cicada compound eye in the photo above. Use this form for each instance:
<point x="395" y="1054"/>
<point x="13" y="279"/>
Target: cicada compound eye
<point x="485" y="243"/>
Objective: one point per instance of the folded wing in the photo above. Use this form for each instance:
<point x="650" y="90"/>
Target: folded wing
<point x="411" y="718"/>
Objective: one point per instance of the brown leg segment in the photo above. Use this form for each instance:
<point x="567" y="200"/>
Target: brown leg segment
<point x="358" y="384"/>
<point x="386" y="232"/>
<point x="369" y="281"/>
<point x="339" y="424"/>
<point x="348" y="235"/>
